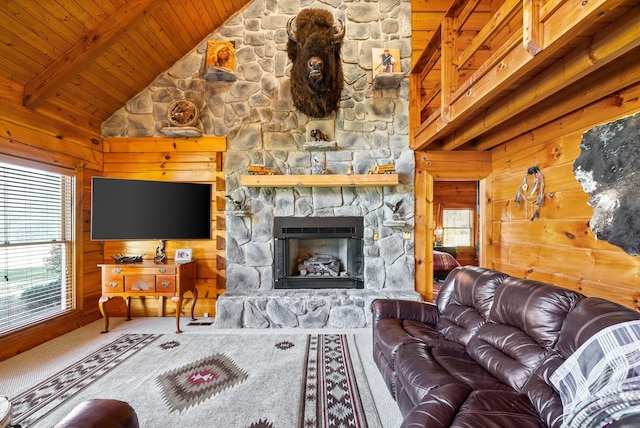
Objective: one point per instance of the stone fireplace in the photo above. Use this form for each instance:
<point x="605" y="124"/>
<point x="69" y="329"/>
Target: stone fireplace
<point x="255" y="242"/>
<point x="318" y="253"/>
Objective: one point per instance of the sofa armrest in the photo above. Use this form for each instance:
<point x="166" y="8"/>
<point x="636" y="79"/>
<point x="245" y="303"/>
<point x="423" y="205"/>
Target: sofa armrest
<point x="423" y="312"/>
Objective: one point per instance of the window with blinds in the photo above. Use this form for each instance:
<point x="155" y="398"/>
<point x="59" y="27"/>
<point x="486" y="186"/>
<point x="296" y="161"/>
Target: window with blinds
<point x="36" y="245"/>
<point x="458" y="227"/>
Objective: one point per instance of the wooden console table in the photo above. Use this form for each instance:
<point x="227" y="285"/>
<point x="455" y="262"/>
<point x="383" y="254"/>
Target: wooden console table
<point x="148" y="279"/>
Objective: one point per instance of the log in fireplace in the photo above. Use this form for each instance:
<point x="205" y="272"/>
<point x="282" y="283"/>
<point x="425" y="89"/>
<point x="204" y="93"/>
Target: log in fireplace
<point x="318" y="252"/>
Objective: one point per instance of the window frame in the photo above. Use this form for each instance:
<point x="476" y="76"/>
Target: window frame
<point x="471" y="228"/>
<point x="71" y="230"/>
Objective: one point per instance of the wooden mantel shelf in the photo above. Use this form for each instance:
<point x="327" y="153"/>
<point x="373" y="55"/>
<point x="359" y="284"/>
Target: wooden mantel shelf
<point x="328" y="180"/>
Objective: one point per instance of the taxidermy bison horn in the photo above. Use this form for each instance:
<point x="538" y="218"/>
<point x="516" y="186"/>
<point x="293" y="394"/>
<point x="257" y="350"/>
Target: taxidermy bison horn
<point x="337" y="37"/>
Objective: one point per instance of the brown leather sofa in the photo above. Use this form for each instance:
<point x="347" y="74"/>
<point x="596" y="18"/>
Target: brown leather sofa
<point x="482" y="355"/>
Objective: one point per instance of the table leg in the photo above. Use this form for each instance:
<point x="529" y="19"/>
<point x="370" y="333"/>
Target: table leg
<point x="103" y="310"/>
<point x="160" y="306"/>
<point x="127" y="302"/>
<point x="193" y="303"/>
<point x="178" y="301"/>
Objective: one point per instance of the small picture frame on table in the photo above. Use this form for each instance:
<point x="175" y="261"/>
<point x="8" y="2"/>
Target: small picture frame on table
<point x="183" y="255"/>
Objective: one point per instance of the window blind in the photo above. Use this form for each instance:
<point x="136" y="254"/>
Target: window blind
<point x="36" y="245"/>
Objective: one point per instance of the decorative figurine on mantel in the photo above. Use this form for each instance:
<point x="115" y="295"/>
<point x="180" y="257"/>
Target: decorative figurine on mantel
<point x="383" y="169"/>
<point x="260" y="170"/>
<point x="317" y="168"/>
<point x="350" y="171"/>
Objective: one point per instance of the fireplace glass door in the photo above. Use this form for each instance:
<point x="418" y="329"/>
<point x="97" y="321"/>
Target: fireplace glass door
<point x="313" y="255"/>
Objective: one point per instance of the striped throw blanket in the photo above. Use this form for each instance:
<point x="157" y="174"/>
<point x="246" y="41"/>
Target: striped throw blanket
<point x="600" y="382"/>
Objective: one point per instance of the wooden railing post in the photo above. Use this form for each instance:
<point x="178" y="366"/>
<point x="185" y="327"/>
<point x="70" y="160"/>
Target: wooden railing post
<point x="449" y="65"/>
<point x="532" y="34"/>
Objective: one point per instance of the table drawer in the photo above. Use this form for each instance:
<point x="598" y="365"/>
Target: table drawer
<point x="166" y="283"/>
<point x="113" y="284"/>
<point x="139" y="270"/>
<point x="140" y="283"/>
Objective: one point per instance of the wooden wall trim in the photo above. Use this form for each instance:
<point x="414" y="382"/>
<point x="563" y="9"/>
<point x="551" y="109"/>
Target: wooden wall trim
<point x="423" y="231"/>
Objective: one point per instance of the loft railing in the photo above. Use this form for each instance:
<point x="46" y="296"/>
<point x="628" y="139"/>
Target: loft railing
<point x="482" y="52"/>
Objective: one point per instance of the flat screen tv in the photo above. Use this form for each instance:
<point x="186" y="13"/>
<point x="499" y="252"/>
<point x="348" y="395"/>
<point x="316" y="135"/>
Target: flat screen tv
<point x="123" y="209"/>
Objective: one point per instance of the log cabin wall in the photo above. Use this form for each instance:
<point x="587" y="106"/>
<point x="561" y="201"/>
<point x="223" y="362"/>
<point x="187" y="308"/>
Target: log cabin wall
<point x="76" y="144"/>
<point x="559" y="247"/>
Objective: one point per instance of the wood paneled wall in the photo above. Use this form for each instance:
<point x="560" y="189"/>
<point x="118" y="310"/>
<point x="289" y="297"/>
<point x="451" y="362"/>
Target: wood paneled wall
<point x="559" y="247"/>
<point x="173" y="159"/>
<point x="27" y="134"/>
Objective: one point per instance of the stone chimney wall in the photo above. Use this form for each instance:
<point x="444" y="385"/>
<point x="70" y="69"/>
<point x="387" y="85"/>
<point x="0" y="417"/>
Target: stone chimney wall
<point x="262" y="127"/>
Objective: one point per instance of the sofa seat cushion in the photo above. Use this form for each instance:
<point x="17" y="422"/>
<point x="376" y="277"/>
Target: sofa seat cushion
<point x="439" y="408"/>
<point x="497" y="409"/>
<point x="466" y="370"/>
<point x="455" y="405"/>
<point x="420" y="368"/>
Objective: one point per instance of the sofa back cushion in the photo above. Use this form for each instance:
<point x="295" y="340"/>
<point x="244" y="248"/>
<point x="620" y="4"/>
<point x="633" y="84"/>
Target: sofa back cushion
<point x="524" y="324"/>
<point x="466" y="302"/>
<point x="588" y="317"/>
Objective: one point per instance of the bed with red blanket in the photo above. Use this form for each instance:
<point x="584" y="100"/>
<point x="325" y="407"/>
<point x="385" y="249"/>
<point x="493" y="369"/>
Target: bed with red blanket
<point x="443" y="263"/>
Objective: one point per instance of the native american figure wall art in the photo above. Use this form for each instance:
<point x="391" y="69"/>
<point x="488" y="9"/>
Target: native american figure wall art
<point x="220" y="61"/>
<point x="316" y="73"/>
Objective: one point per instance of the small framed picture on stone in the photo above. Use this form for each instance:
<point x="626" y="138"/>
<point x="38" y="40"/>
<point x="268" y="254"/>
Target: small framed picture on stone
<point x="385" y="60"/>
<point x="183" y="255"/>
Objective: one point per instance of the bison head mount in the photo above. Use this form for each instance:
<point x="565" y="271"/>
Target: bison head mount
<point x="316" y="71"/>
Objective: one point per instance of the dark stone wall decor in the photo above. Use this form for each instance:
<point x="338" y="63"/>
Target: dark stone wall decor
<point x="608" y="170"/>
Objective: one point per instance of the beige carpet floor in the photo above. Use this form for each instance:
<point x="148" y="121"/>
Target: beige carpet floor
<point x="23" y="371"/>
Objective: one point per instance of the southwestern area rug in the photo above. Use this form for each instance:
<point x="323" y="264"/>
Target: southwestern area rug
<point x="245" y="381"/>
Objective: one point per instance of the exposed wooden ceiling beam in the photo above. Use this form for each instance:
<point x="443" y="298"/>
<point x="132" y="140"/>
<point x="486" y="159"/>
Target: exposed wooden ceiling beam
<point x="80" y="55"/>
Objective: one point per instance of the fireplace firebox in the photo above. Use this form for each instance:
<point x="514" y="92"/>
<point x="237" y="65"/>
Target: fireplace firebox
<point x="318" y="252"/>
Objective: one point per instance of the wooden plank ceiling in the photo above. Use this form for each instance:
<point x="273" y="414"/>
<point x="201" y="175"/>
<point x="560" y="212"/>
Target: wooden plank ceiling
<point x="81" y="60"/>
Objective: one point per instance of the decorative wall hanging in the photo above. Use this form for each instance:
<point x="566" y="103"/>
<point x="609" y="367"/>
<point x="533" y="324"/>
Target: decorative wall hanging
<point x="316" y="74"/>
<point x="531" y="191"/>
<point x="182" y="116"/>
<point x="386" y="68"/>
<point x="607" y="169"/>
<point x="220" y="63"/>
